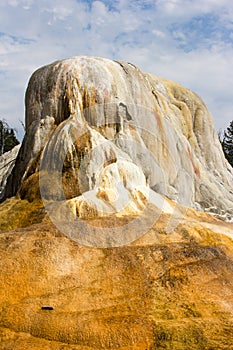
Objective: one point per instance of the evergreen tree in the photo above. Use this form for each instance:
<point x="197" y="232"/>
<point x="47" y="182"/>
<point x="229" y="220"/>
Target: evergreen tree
<point x="8" y="139"/>
<point x="227" y="143"/>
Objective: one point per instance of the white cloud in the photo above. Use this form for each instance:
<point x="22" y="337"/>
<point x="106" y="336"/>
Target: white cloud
<point x="189" y="41"/>
<point x="14" y="3"/>
<point x="159" y="33"/>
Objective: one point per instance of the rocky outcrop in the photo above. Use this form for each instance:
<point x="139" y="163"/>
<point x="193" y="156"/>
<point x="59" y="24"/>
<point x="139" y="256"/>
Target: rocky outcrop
<point x="112" y="152"/>
<point x="7" y="162"/>
<point x="106" y="130"/>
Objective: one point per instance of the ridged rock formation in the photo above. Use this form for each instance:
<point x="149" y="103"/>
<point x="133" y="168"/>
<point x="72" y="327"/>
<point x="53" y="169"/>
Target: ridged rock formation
<point x="109" y="133"/>
<point x="113" y="257"/>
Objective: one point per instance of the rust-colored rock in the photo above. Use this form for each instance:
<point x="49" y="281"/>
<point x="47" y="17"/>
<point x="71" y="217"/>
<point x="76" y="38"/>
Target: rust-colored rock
<point x="164" y="290"/>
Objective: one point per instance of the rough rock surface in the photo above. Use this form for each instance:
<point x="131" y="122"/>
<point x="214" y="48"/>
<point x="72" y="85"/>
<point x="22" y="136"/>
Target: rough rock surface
<point x="164" y="291"/>
<point x="88" y="115"/>
<point x="7" y="162"/>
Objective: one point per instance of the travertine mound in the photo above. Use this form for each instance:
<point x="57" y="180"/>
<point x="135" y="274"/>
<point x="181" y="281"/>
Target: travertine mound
<point x="105" y="143"/>
<point x="89" y="116"/>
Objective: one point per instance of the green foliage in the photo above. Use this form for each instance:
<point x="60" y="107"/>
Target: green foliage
<point x="8" y="139"/>
<point x="227" y="143"/>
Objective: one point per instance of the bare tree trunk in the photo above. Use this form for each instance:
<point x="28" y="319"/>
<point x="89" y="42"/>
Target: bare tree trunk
<point x="2" y="138"/>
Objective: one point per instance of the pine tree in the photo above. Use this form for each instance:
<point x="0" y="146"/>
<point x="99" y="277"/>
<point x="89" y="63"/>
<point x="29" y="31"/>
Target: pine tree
<point x="227" y="143"/>
<point x="8" y="139"/>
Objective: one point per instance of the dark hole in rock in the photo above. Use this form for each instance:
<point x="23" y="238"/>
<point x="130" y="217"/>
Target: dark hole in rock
<point x="46" y="307"/>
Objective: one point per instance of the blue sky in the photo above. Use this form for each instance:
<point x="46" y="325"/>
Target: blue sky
<point x="188" y="41"/>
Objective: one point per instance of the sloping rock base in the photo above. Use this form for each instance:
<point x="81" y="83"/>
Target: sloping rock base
<point x="164" y="291"/>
